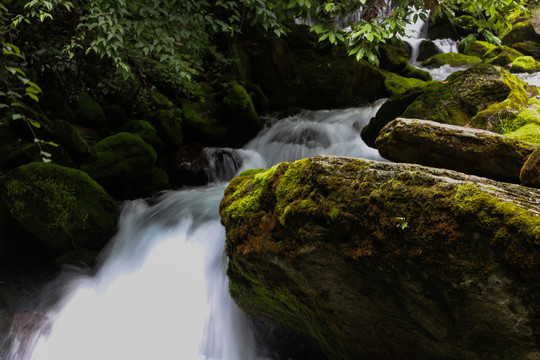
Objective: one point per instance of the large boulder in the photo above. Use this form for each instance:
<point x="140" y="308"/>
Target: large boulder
<point x="452" y="59"/>
<point x="472" y="151"/>
<point x="466" y="93"/>
<point x="62" y="207"/>
<point x="376" y="260"/>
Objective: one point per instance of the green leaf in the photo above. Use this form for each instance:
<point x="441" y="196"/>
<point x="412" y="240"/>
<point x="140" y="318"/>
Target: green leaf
<point x="16" y="116"/>
<point x="34" y="123"/>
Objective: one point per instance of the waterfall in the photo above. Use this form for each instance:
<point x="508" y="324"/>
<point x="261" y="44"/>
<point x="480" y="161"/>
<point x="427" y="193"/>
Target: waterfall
<point x="160" y="290"/>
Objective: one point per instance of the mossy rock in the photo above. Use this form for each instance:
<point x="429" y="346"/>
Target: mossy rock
<point x="239" y="113"/>
<point x="530" y="173"/>
<point x="476" y="48"/>
<point x="329" y="246"/>
<point x="146" y="131"/>
<point x="159" y="101"/>
<point x="465" y="94"/>
<point x="410" y="71"/>
<point x="525" y="64"/>
<point x="168" y="124"/>
<point x="531" y="48"/>
<point x="501" y="55"/>
<point x="70" y="138"/>
<point x="521" y="31"/>
<point x="89" y="112"/>
<point x="395" y="84"/>
<point x="452" y="59"/>
<point x="393" y="57"/>
<point x="120" y="157"/>
<point x="529" y="133"/>
<point x="200" y="126"/>
<point x="520" y="108"/>
<point x="30" y="152"/>
<point x="62" y="207"/>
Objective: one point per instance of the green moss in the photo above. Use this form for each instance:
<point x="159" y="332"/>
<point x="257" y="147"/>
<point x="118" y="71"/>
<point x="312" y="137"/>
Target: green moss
<point x="248" y="192"/>
<point x="529" y="133"/>
<point x="89" y="113"/>
<point x="250" y="172"/>
<point x="477" y="48"/>
<point x="146" y="131"/>
<point x="334" y="214"/>
<point x="168" y="124"/>
<point x="410" y="71"/>
<point x="200" y="126"/>
<point x="159" y="101"/>
<point x="510" y="228"/>
<point x="525" y="64"/>
<point x="62" y="207"/>
<point x="119" y="157"/>
<point x="396" y="84"/>
<point x="452" y="59"/>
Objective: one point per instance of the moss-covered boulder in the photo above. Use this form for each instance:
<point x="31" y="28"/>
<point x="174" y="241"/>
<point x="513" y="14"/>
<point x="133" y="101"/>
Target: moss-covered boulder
<point x="530" y="173"/>
<point x="377" y="260"/>
<point x="452" y="59"/>
<point x="200" y="126"/>
<point x="70" y="138"/>
<point x="88" y="112"/>
<point x="396" y="84"/>
<point x="62" y="207"/>
<point x="168" y="124"/>
<point x="427" y="49"/>
<point x="416" y="73"/>
<point x="239" y="114"/>
<point x="471" y="151"/>
<point x="146" y="131"/>
<point x="477" y="48"/>
<point x="466" y="93"/>
<point x="525" y="64"/>
<point x="531" y="48"/>
<point x="120" y="157"/>
<point x="520" y="31"/>
<point x="393" y="57"/>
<point x="501" y="55"/>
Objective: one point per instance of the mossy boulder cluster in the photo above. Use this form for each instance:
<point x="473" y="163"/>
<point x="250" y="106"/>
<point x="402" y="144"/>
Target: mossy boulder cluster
<point x="381" y="260"/>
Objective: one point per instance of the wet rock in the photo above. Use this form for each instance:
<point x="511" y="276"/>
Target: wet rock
<point x="530" y="173"/>
<point x="471" y="151"/>
<point x="188" y="165"/>
<point x="376" y="260"/>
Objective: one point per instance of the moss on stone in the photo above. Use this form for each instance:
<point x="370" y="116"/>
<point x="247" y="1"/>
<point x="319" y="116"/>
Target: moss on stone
<point x="344" y="216"/>
<point x="64" y="208"/>
<point x="452" y="59"/>
<point x="529" y="133"/>
<point x="525" y="64"/>
<point x="199" y="125"/>
<point x="120" y="157"/>
<point x="477" y="48"/>
<point x="395" y="84"/>
<point x="410" y="71"/>
<point x="159" y="101"/>
<point x="168" y="124"/>
<point x="88" y="112"/>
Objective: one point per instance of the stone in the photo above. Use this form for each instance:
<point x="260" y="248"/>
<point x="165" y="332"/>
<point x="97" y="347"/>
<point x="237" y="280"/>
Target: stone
<point x="168" y="124"/>
<point x="395" y="84"/>
<point x="468" y="150"/>
<point x="525" y="64"/>
<point x="119" y="157"/>
<point x="477" y="48"/>
<point x="452" y="59"/>
<point x="62" y="207"/>
<point x="88" y="112"/>
<point x="378" y="260"/>
<point x="530" y="173"/>
<point x="427" y="49"/>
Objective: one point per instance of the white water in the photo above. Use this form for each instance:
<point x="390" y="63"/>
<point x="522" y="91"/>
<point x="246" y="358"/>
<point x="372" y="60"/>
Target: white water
<point x="161" y="291"/>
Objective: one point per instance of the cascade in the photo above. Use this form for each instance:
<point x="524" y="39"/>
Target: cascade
<point x="160" y="290"/>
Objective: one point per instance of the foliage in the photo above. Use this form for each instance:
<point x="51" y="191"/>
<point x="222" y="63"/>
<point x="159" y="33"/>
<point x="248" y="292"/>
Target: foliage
<point x="364" y="25"/>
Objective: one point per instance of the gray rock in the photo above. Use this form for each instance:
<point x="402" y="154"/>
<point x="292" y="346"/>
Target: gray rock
<point x="472" y="151"/>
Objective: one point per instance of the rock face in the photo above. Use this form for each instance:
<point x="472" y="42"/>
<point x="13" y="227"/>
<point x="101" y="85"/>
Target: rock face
<point x="375" y="260"/>
<point x="530" y="173"/>
<point x="471" y="151"/>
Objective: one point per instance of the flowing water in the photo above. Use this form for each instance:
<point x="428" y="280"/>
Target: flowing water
<point x="160" y="291"/>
